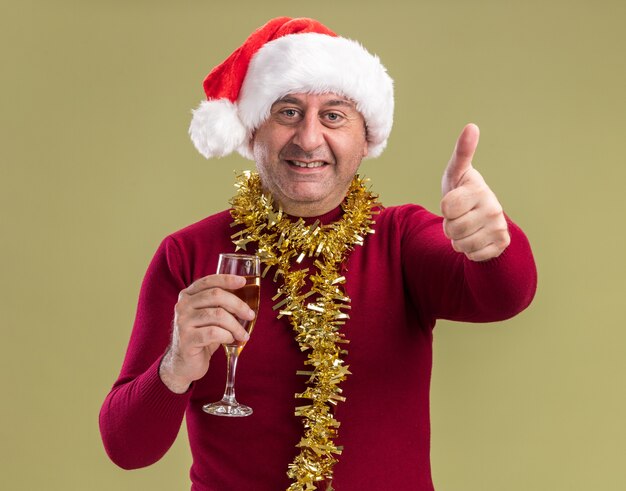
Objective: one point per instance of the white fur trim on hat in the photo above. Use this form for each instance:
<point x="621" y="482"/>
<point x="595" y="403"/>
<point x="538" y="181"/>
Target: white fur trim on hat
<point x="216" y="129"/>
<point x="317" y="63"/>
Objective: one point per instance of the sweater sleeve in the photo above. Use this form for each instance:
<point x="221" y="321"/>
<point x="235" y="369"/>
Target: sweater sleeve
<point x="140" y="417"/>
<point x="446" y="285"/>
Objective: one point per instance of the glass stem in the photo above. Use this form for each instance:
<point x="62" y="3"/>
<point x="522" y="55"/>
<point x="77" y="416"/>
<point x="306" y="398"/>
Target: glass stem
<point x="232" y="355"/>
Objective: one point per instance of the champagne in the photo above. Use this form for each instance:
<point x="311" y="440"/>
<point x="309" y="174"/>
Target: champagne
<point x="248" y="266"/>
<point x="250" y="294"/>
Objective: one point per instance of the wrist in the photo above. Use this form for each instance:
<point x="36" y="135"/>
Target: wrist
<point x="167" y="374"/>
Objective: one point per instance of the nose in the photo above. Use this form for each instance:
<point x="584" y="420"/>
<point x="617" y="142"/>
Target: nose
<point x="309" y="133"/>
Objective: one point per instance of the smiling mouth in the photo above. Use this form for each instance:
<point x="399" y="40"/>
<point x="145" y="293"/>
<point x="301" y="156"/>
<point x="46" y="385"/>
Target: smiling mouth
<point x="308" y="165"/>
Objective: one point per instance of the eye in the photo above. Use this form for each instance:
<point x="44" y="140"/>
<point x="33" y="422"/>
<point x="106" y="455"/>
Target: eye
<point x="290" y="113"/>
<point x="333" y="119"/>
<point x="287" y="115"/>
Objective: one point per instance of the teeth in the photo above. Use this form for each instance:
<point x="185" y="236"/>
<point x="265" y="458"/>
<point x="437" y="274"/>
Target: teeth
<point x="310" y="165"/>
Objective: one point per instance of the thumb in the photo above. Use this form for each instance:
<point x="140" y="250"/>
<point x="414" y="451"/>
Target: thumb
<point x="461" y="160"/>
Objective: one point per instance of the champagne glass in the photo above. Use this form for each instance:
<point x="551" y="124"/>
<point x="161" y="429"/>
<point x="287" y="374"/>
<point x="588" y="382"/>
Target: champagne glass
<point x="249" y="267"/>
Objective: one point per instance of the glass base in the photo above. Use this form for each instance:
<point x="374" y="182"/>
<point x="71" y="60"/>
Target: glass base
<point x="222" y="408"/>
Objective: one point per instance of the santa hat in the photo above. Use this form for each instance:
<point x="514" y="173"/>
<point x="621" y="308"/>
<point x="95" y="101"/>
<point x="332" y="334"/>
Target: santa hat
<point x="288" y="56"/>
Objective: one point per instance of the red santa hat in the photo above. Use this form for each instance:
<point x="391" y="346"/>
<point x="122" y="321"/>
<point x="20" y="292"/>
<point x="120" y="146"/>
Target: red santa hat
<point x="288" y="56"/>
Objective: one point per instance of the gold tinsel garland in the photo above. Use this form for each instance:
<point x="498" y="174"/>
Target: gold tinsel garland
<point x="317" y="314"/>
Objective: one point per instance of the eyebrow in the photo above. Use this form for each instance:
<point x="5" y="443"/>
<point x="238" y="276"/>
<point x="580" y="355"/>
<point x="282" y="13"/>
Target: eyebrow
<point x="333" y="102"/>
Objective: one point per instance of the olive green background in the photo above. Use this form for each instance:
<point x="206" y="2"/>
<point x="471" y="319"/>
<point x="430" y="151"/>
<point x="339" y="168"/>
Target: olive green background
<point x="97" y="168"/>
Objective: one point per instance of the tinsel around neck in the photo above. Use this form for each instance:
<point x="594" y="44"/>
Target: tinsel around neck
<point x="316" y="315"/>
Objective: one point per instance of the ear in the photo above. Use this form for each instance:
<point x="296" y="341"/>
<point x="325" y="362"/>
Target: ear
<point x="365" y="140"/>
<point x="366" y="135"/>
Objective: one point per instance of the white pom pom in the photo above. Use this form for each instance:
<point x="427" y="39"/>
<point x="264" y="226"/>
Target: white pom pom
<point x="216" y="129"/>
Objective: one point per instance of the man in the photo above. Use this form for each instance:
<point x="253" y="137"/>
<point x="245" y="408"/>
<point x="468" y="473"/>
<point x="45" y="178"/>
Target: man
<point x="308" y="106"/>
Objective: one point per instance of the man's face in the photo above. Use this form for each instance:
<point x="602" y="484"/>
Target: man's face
<point x="308" y="151"/>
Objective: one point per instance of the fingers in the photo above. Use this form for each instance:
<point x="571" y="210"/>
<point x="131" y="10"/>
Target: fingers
<point x="489" y="252"/>
<point x="462" y="227"/>
<point x="206" y="315"/>
<point x="225" y="281"/>
<point x="475" y="223"/>
<point x="460" y="201"/>
<point x="208" y="303"/>
<point x="486" y="242"/>
<point x="466" y="145"/>
<point x="479" y="240"/>
<point x="189" y="319"/>
<point x="217" y="317"/>
<point x="211" y="336"/>
<point x="461" y="160"/>
<point x="473" y="217"/>
<point x="217" y="297"/>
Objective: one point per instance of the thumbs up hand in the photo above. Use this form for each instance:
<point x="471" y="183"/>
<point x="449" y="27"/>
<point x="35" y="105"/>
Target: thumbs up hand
<point x="473" y="217"/>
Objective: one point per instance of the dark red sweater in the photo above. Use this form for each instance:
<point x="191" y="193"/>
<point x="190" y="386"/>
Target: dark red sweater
<point x="404" y="278"/>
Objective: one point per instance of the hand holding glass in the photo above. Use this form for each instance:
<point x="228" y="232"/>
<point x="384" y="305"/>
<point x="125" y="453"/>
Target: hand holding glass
<point x="249" y="267"/>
